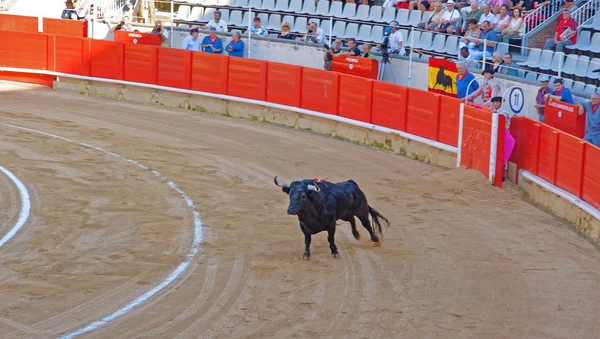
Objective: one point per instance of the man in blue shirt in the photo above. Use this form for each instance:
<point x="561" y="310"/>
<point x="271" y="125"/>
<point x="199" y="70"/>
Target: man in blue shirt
<point x="464" y="82"/>
<point x="236" y="46"/>
<point x="192" y="43"/>
<point x="592" y="119"/>
<point x="212" y="43"/>
<point x="490" y="38"/>
<point x="560" y="93"/>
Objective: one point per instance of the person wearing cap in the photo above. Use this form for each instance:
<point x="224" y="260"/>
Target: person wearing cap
<point x="464" y="82"/>
<point x="192" y="43"/>
<point x="396" y="40"/>
<point x="560" y="93"/>
<point x="592" y="119"/>
<point x="216" y="22"/>
<point x="509" y="140"/>
<point x="449" y="20"/>
<point x="540" y="99"/>
<point x="488" y="89"/>
<point x="257" y="29"/>
<point x="212" y="43"/>
<point x="565" y="34"/>
<point x="236" y="46"/>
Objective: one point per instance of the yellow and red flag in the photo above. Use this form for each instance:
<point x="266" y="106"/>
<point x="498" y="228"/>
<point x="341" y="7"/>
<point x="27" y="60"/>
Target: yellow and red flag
<point x="442" y="77"/>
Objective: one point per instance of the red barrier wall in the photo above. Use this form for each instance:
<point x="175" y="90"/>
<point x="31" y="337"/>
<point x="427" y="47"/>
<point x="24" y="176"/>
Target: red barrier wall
<point x="140" y="63"/>
<point x="74" y="28"/>
<point x="106" y="59"/>
<point x="18" y="23"/>
<point x="320" y="90"/>
<point x="475" y="150"/>
<point x="449" y="120"/>
<point x="69" y="55"/>
<point x="209" y="73"/>
<point x="23" y="50"/>
<point x="284" y="84"/>
<point x="174" y="68"/>
<point x="355" y="98"/>
<point x="590" y="190"/>
<point x="138" y="38"/>
<point x="423" y="113"/>
<point x="247" y="78"/>
<point x="389" y="105"/>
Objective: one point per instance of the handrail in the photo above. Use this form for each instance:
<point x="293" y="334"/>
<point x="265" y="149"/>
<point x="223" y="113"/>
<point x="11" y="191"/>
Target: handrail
<point x="586" y="12"/>
<point x="109" y="8"/>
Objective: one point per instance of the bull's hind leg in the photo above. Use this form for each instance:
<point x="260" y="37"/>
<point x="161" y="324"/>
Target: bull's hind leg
<point x="354" y="230"/>
<point x="331" y="239"/>
<point x="307" y="238"/>
<point x="364" y="220"/>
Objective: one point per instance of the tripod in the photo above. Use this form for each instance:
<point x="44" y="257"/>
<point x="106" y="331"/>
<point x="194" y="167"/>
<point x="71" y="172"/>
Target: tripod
<point x="381" y="70"/>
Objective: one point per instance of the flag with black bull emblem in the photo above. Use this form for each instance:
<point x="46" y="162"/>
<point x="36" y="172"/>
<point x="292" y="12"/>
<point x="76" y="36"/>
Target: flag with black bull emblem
<point x="442" y="77"/>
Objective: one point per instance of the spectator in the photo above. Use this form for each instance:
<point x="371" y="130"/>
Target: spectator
<point x="471" y="35"/>
<point x="217" y="23"/>
<point x="540" y="99"/>
<point x="192" y="43"/>
<point x="488" y="89"/>
<point x="496" y="61"/>
<point x="474" y="13"/>
<point x="389" y="3"/>
<point x="123" y="25"/>
<point x="513" y="30"/>
<point x="352" y="48"/>
<point x="566" y="33"/>
<point x="285" y="31"/>
<point x="396" y="40"/>
<point x="449" y="19"/>
<point x="257" y="29"/>
<point x="487" y="15"/>
<point x="435" y="19"/>
<point x="501" y="21"/>
<point x="487" y="38"/>
<point x="236" y="46"/>
<point x="509" y="141"/>
<point x="496" y="5"/>
<point x="560" y="93"/>
<point x="313" y="34"/>
<point x="592" y="119"/>
<point x="567" y="4"/>
<point x="509" y="67"/>
<point x="158" y="29"/>
<point x="212" y="43"/>
<point x="464" y="81"/>
<point x="367" y="51"/>
<point x="337" y="48"/>
<point x="465" y="57"/>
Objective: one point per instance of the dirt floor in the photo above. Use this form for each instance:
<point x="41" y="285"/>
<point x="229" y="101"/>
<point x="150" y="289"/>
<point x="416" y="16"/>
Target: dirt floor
<point x="460" y="260"/>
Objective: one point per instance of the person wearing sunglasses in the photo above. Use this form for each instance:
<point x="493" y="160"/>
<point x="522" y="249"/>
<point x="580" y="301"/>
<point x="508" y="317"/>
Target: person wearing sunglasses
<point x="285" y="32"/>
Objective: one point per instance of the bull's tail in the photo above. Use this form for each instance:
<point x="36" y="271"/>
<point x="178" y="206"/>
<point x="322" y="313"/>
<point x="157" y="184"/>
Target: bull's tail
<point x="377" y="220"/>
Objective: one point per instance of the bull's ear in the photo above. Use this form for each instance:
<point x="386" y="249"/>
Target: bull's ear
<point x="285" y="190"/>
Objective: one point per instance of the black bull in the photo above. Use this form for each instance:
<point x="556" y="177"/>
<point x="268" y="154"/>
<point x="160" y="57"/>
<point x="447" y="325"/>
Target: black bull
<point x="319" y="205"/>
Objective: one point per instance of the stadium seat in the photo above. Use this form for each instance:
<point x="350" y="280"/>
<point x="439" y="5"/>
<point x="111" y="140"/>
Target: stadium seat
<point x="349" y="11"/>
<point x="570" y="64"/>
<point x="578" y="87"/>
<point x="410" y="36"/>
<point x="595" y="24"/>
<point x="531" y="76"/>
<point x="323" y="8"/>
<point x="402" y="17"/>
<point x="583" y="63"/>
<point x="389" y="14"/>
<point x="364" y="33"/>
<point x="300" y="25"/>
<point x="594" y="65"/>
<point x="595" y="41"/>
<point x="438" y="45"/>
<point x="235" y="18"/>
<point x="196" y="14"/>
<point x="264" y="18"/>
<point x="224" y="15"/>
<point x="254" y="4"/>
<point x="295" y="6"/>
<point x="183" y="13"/>
<point x="376" y="34"/>
<point x="210" y="2"/>
<point x="335" y="9"/>
<point x="589" y="90"/>
<point x="208" y="14"/>
<point x="351" y="30"/>
<point x="289" y="19"/>
<point x="274" y="22"/>
<point x="545" y="59"/>
<point x="557" y="60"/>
<point x="502" y="48"/>
<point x="225" y="2"/>
<point x="375" y="14"/>
<point x="239" y="3"/>
<point x="308" y="8"/>
<point x="533" y="58"/>
<point x="583" y="40"/>
<point x="339" y="28"/>
<point x="362" y="13"/>
<point x="428" y="15"/>
<point x="267" y="4"/>
<point x="568" y="83"/>
<point x="451" y="45"/>
<point x="245" y="18"/>
<point x="425" y="40"/>
<point x="325" y="26"/>
<point x="414" y="19"/>
<point x="281" y="5"/>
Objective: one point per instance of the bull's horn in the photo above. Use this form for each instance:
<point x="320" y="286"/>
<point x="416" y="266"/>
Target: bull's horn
<point x="282" y="184"/>
<point x="314" y="188"/>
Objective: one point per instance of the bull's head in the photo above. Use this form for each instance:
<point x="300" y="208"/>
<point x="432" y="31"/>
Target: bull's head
<point x="300" y="192"/>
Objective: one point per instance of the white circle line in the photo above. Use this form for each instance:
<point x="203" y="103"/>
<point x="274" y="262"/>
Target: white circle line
<point x="174" y="275"/>
<point x="25" y="206"/>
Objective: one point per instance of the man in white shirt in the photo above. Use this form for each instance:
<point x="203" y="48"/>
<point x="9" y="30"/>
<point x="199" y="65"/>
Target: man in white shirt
<point x="396" y="40"/>
<point x="314" y="34"/>
<point x="450" y="20"/>
<point x="217" y="23"/>
<point x="465" y="56"/>
<point x="192" y="43"/>
<point x="487" y="15"/>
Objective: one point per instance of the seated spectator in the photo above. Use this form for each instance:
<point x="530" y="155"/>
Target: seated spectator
<point x="313" y="34"/>
<point x="257" y="29"/>
<point x="592" y="119"/>
<point x="352" y="49"/>
<point x="388" y="3"/>
<point x="158" y="29"/>
<point x="487" y="15"/>
<point x="474" y="13"/>
<point x="192" y="43"/>
<point x="336" y="49"/>
<point x="489" y="36"/>
<point x="465" y="57"/>
<point x="449" y="19"/>
<point x="212" y="43"/>
<point x="464" y="82"/>
<point x="216" y="22"/>
<point x="509" y="140"/>
<point x="560" y="93"/>
<point x="513" y="30"/>
<point x="496" y="5"/>
<point x="236" y="46"/>
<point x="509" y="67"/>
<point x="488" y="89"/>
<point x="396" y="40"/>
<point x="123" y="25"/>
<point x="435" y="19"/>
<point x="501" y="21"/>
<point x="471" y="36"/>
<point x="567" y="4"/>
<point x="566" y="33"/>
<point x="540" y="99"/>
<point x="496" y="61"/>
<point x="367" y="51"/>
<point x="285" y="31"/>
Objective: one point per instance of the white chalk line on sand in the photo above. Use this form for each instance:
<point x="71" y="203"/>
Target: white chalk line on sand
<point x="25" y="206"/>
<point x="174" y="275"/>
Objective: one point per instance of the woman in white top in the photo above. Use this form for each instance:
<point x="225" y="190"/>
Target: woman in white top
<point x="514" y="28"/>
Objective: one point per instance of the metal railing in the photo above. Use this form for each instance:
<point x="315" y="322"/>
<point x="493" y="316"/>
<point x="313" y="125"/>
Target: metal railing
<point x="110" y="8"/>
<point x="586" y="12"/>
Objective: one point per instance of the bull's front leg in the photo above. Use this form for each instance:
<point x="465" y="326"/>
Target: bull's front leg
<point x="307" y="238"/>
<point x="331" y="239"/>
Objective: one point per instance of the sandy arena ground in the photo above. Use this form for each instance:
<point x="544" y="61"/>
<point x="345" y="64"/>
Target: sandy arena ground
<point x="461" y="259"/>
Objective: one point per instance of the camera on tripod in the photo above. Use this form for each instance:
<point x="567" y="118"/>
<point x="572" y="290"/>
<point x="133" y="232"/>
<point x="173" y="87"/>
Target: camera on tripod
<point x="385" y="45"/>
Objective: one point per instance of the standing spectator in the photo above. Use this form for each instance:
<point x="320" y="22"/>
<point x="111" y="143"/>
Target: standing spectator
<point x="509" y="140"/>
<point x="212" y="43"/>
<point x="158" y="29"/>
<point x="488" y="89"/>
<point x="336" y="49"/>
<point x="192" y="43"/>
<point x="513" y="30"/>
<point x="352" y="48"/>
<point x="217" y="23"/>
<point x="313" y="34"/>
<point x="257" y="28"/>
<point x="449" y="20"/>
<point x="471" y="35"/>
<point x="465" y="56"/>
<point x="123" y="25"/>
<point x="487" y="15"/>
<point x="396" y="40"/>
<point x="560" y="92"/>
<point x="592" y="119"/>
<point x="509" y="67"/>
<point x="489" y="37"/>
<point x="236" y="46"/>
<point x="566" y="33"/>
<point x="464" y="82"/>
<point x="285" y="31"/>
<point x="435" y="19"/>
<point x="501" y="21"/>
<point x="540" y="99"/>
<point x="367" y="51"/>
<point x="474" y="13"/>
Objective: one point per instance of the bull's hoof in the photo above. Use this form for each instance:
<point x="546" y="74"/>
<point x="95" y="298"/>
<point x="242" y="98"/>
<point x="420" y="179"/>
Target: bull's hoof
<point x="356" y="236"/>
<point x="306" y="256"/>
<point x="376" y="240"/>
<point x="377" y="243"/>
<point x="335" y="255"/>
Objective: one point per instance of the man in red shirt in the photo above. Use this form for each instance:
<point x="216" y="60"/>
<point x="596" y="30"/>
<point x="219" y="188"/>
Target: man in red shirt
<point x="566" y="33"/>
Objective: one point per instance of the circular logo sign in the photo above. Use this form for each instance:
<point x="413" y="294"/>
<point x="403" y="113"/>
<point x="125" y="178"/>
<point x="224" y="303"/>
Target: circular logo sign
<point x="351" y="66"/>
<point x="516" y="100"/>
<point x="135" y="41"/>
<point x="560" y="114"/>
